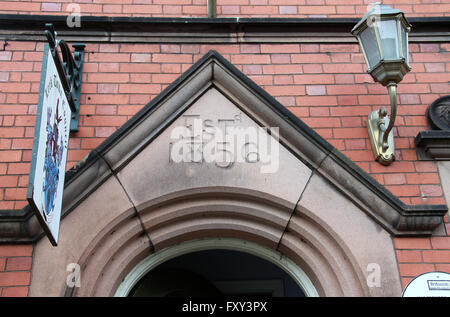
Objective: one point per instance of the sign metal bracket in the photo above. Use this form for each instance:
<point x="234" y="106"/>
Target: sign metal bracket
<point x="70" y="70"/>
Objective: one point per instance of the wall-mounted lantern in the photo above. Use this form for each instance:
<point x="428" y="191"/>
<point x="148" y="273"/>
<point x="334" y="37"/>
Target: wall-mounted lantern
<point x="382" y="34"/>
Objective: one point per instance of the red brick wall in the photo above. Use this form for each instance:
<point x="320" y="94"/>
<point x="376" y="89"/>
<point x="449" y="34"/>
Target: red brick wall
<point x="225" y="8"/>
<point x="420" y="255"/>
<point x="323" y="84"/>
<point x="15" y="267"/>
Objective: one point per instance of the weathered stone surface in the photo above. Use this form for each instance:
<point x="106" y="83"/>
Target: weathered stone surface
<point x="366" y="244"/>
<point x="107" y="205"/>
<point x="151" y="174"/>
<point x="444" y="173"/>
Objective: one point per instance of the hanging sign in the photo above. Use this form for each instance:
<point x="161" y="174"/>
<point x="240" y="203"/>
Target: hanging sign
<point x="57" y="115"/>
<point x="432" y="284"/>
<point x="51" y="138"/>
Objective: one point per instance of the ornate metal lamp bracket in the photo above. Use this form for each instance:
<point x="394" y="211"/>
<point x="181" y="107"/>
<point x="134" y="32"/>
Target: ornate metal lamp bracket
<point x="380" y="126"/>
<point x="70" y="70"/>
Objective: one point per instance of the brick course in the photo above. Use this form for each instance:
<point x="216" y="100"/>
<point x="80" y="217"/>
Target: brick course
<point x="225" y="8"/>
<point x="15" y="267"/>
<point x="420" y="255"/>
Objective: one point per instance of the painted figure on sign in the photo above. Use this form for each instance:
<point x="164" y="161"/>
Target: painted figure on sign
<point x="53" y="155"/>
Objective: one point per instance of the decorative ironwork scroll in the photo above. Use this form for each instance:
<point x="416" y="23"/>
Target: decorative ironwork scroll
<point x="70" y="69"/>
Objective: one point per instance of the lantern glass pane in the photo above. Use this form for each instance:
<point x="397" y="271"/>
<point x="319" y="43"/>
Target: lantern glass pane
<point x="404" y="45"/>
<point x="389" y="39"/>
<point x="369" y="42"/>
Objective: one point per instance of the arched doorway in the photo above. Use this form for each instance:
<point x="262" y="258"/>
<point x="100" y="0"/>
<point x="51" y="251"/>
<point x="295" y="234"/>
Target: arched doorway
<point x="116" y="254"/>
<point x="217" y="266"/>
<point x="215" y="273"/>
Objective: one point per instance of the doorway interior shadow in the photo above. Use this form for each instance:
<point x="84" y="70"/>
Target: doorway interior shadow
<point x="216" y="273"/>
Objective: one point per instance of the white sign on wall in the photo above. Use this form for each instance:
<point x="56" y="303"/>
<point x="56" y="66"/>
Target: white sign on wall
<point x="432" y="284"/>
<point x="51" y="137"/>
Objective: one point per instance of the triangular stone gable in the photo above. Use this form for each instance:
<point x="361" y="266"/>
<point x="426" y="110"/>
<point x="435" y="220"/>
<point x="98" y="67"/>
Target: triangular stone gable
<point x="214" y="144"/>
<point x="213" y="89"/>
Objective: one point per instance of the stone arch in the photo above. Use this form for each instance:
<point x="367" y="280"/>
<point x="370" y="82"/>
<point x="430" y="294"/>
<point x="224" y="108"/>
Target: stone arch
<point x="217" y="213"/>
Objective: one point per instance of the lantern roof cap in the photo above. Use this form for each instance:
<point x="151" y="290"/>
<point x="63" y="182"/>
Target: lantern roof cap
<point x="380" y="10"/>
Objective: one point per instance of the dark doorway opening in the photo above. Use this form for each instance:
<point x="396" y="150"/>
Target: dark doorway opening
<point x="215" y="273"/>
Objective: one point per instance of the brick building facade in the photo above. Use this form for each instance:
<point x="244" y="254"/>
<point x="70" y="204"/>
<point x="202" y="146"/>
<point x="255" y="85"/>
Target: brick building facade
<point x="300" y="52"/>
